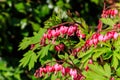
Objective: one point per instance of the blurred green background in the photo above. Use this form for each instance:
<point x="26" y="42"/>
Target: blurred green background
<point x="20" y="18"/>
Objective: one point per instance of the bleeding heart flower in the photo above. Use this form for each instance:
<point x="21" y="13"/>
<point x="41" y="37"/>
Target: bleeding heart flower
<point x="73" y="73"/>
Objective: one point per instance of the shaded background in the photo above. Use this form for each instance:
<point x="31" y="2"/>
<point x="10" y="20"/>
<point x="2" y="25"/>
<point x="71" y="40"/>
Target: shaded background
<point x="20" y="18"/>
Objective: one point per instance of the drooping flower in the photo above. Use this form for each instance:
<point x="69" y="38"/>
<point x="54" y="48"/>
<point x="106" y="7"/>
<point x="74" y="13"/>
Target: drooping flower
<point x="63" y="30"/>
<point x="58" y="67"/>
<point x="65" y="71"/>
<point x="112" y="78"/>
<point x="73" y="73"/>
<point x="115" y="35"/>
<point x="100" y="38"/>
<point x="59" y="47"/>
<point x="32" y="46"/>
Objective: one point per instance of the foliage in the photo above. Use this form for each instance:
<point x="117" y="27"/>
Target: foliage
<point x="9" y="73"/>
<point x="25" y="18"/>
<point x="72" y="49"/>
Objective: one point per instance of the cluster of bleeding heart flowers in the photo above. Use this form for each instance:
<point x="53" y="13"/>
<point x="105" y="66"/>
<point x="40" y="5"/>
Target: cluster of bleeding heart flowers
<point x="97" y="37"/>
<point x="53" y="34"/>
<point x="56" y="68"/>
<point x="109" y="13"/>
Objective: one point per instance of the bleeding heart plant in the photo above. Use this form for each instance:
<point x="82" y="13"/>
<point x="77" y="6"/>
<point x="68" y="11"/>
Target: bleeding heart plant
<point x="72" y="50"/>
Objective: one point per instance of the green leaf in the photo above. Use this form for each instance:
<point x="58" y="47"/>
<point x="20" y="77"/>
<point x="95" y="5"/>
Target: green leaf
<point x="31" y="40"/>
<point x="43" y="52"/>
<point x="35" y="26"/>
<point x="53" y="77"/>
<point x="66" y="55"/>
<point x="47" y="59"/>
<point x="72" y="57"/>
<point x="97" y="55"/>
<point x="107" y="70"/>
<point x="76" y="61"/>
<point x="85" y="56"/>
<point x="95" y="1"/>
<point x="60" y="3"/>
<point x="117" y="55"/>
<point x="117" y="79"/>
<point x="37" y="36"/>
<point x="37" y="46"/>
<point x="25" y="60"/>
<point x="93" y="76"/>
<point x="115" y="61"/>
<point x="61" y="56"/>
<point x="52" y="21"/>
<point x="23" y="23"/>
<point x="44" y="11"/>
<point x="97" y="69"/>
<point x="97" y="72"/>
<point x="84" y="25"/>
<point x="108" y="21"/>
<point x="86" y="53"/>
<point x="118" y="71"/>
<point x="24" y="44"/>
<point x="33" y="59"/>
<point x="107" y="55"/>
<point x="29" y="59"/>
<point x="20" y="7"/>
<point x="100" y="51"/>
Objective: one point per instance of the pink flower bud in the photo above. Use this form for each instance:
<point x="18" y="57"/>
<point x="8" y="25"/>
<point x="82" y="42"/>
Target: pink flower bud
<point x="100" y="38"/>
<point x="49" y="31"/>
<point x="112" y="78"/>
<point x="44" y="36"/>
<point x="63" y="29"/>
<point x="75" y="27"/>
<point x="44" y="70"/>
<point x="95" y="41"/>
<point x="73" y="73"/>
<point x="32" y="46"/>
<point x="82" y="35"/>
<point x="49" y="36"/>
<point x="57" y="32"/>
<point x="57" y="67"/>
<point x="71" y="31"/>
<point x="115" y="35"/>
<point x="90" y="42"/>
<point x="109" y="35"/>
<point x="115" y="11"/>
<point x="90" y="61"/>
<point x="65" y="71"/>
<point x="86" y="68"/>
<point x="50" y="69"/>
<point x="105" y="38"/>
<point x="59" y="47"/>
<point x="53" y="32"/>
